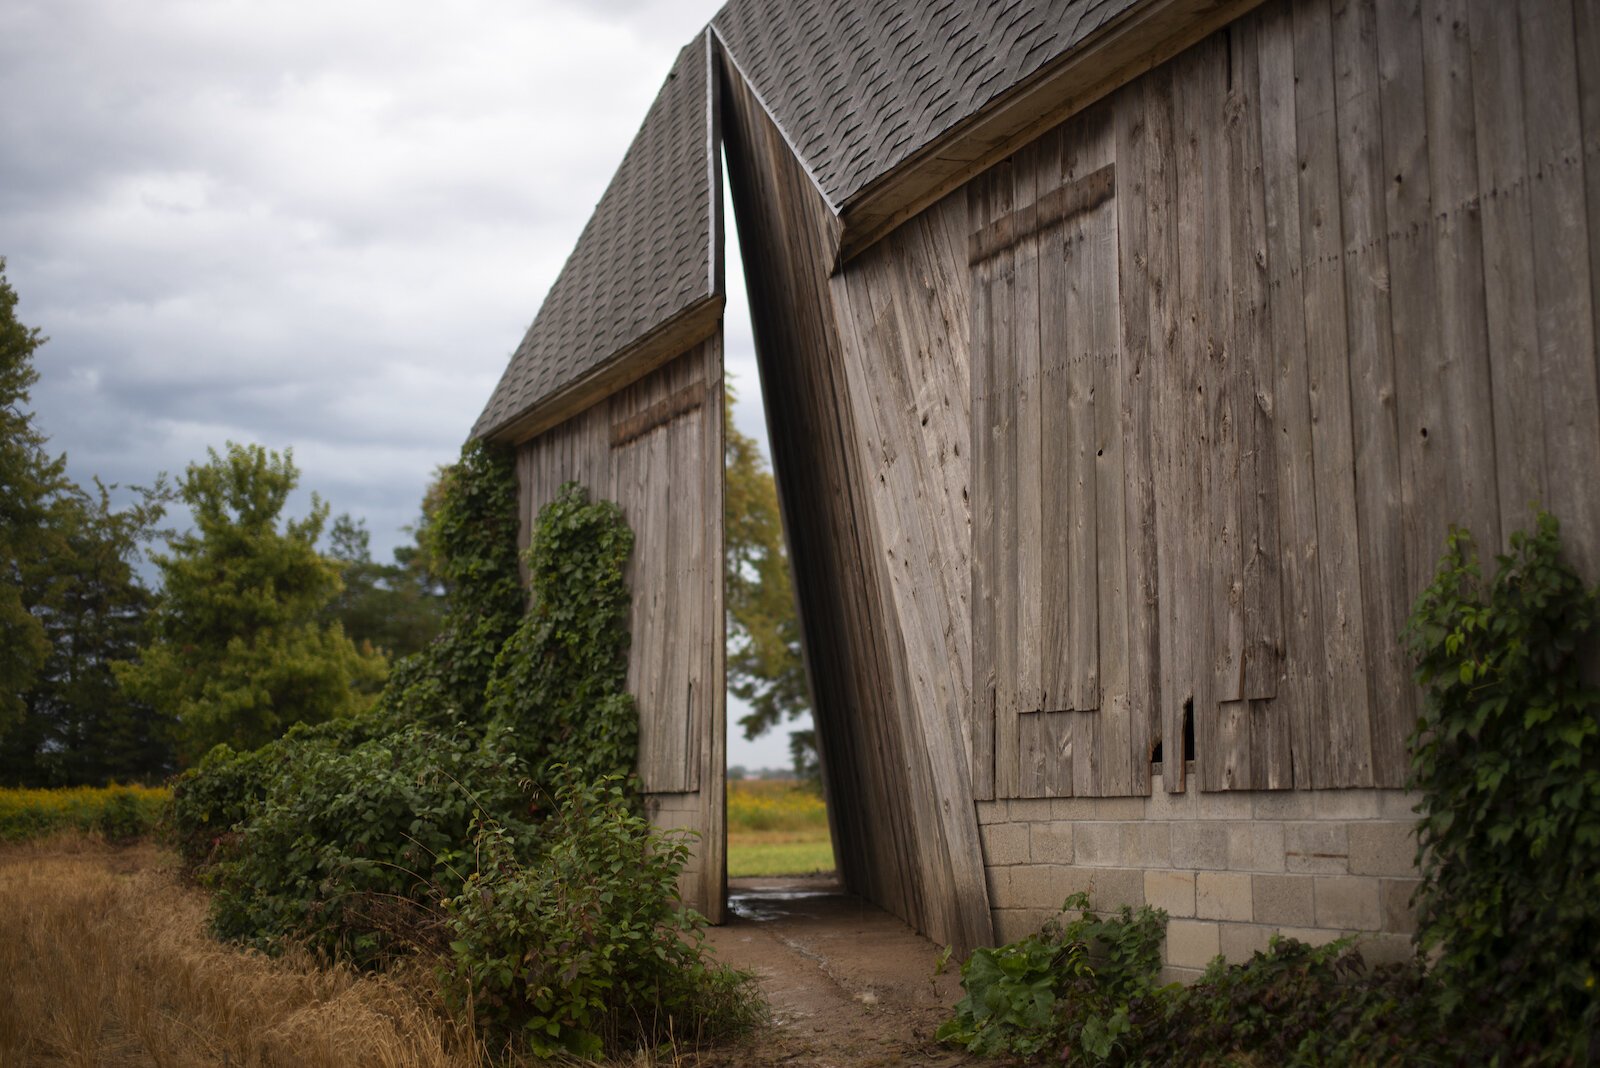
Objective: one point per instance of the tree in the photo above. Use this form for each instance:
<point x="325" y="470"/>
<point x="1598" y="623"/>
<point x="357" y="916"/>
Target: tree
<point x="397" y="608"/>
<point x="765" y="667"/>
<point x="239" y="651"/>
<point x="29" y="479"/>
<point x="78" y="727"/>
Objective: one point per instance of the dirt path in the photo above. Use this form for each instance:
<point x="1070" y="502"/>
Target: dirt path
<point x="850" y="986"/>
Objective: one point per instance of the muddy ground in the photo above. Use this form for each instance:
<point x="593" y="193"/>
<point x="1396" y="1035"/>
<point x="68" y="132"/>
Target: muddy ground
<point x="849" y="985"/>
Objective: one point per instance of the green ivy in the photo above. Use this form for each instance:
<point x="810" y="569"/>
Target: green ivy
<point x="560" y="682"/>
<point x="474" y="535"/>
<point x="1507" y="760"/>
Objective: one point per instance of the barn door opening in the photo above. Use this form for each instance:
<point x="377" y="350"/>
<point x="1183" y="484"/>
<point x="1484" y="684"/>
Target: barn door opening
<point x="777" y="818"/>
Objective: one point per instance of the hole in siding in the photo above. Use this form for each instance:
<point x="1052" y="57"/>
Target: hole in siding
<point x="1188" y="729"/>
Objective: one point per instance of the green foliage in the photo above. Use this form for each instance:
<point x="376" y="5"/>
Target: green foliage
<point x="78" y="726"/>
<point x="470" y="536"/>
<point x="764" y="658"/>
<point x="238" y="652"/>
<point x="214" y="796"/>
<point x="587" y="950"/>
<point x="1069" y="985"/>
<point x="29" y="480"/>
<point x="397" y="608"/>
<point x="1507" y="760"/>
<point x="349" y="848"/>
<point x="560" y="681"/>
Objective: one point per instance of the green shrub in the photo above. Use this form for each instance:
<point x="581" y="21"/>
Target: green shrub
<point x="587" y="949"/>
<point x="210" y="799"/>
<point x="350" y="850"/>
<point x="1068" y="986"/>
<point x="1507" y="760"/>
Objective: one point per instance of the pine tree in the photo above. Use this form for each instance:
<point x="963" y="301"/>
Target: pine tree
<point x="239" y="651"/>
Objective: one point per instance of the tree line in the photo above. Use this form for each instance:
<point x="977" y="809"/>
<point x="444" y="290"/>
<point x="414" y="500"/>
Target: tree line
<point x="258" y="621"/>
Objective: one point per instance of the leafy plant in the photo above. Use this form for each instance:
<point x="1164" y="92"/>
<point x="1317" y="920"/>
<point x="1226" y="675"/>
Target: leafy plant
<point x="1070" y="984"/>
<point x="588" y="949"/>
<point x="560" y="682"/>
<point x="1507" y="760"/>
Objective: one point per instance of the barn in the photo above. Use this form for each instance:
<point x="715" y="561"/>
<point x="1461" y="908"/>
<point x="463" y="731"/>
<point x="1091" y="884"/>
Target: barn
<point x="1125" y="364"/>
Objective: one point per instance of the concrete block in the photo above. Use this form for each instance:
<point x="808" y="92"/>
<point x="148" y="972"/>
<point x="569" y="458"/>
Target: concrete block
<point x="993" y="811"/>
<point x="1073" y="808"/>
<point x="1224" y="895"/>
<point x="1225" y="805"/>
<point x="1186" y="976"/>
<point x="1005" y="843"/>
<point x="1394" y="900"/>
<point x="1147" y="845"/>
<point x="1398" y="805"/>
<point x="1316" y="848"/>
<point x="1045" y="886"/>
<point x="1192" y="943"/>
<point x="1255" y="846"/>
<point x="1199" y="845"/>
<point x="1111" y="888"/>
<point x="1120" y="808"/>
<point x="1241" y="941"/>
<point x="1284" y="900"/>
<point x="999" y="880"/>
<point x="1283" y="805"/>
<point x="1348" y="902"/>
<point x="1164" y="806"/>
<point x="1386" y="949"/>
<point x="1031" y="808"/>
<point x="1311" y="936"/>
<point x="1097" y="844"/>
<point x="1012" y="924"/>
<point x="1050" y="843"/>
<point x="1383" y="848"/>
<point x="1358" y="804"/>
<point x="1170" y="890"/>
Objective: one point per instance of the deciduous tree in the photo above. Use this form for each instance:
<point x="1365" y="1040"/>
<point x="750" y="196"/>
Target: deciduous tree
<point x="239" y="650"/>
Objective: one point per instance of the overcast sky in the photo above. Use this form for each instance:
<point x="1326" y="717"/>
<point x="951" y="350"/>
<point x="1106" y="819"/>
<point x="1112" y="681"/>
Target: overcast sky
<point x="314" y="225"/>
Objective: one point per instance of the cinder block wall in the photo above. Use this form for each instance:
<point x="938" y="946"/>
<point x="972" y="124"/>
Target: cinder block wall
<point x="1231" y="869"/>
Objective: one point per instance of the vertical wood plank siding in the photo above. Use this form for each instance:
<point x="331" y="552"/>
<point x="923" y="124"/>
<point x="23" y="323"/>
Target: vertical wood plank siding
<point x="665" y="472"/>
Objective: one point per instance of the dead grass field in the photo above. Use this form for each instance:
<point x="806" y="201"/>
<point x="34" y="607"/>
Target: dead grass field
<point x="106" y="962"/>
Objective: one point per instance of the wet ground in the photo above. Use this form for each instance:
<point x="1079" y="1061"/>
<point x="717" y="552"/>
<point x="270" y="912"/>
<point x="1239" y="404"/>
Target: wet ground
<point x="850" y="986"/>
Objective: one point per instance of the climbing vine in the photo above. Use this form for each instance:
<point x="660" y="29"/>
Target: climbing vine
<point x="559" y="683"/>
<point x="1507" y="760"/>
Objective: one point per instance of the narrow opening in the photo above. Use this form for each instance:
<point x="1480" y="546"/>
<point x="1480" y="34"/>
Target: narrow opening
<point x="1188" y="730"/>
<point x="777" y="819"/>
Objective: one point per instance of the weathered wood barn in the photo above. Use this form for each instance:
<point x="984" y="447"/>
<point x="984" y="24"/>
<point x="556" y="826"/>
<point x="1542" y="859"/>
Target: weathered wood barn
<point x="1125" y="362"/>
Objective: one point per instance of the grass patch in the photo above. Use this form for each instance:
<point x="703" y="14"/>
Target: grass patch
<point x="777" y="828"/>
<point x="113" y="811"/>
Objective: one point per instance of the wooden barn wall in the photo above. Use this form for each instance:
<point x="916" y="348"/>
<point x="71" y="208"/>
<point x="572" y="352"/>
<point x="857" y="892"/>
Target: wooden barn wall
<point x="655" y="448"/>
<point x="889" y="728"/>
<point x="1246" y="338"/>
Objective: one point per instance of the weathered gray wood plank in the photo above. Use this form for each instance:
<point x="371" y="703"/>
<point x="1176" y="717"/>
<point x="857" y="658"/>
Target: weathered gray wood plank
<point x="1384" y="597"/>
<point x="1302" y="695"/>
<point x="1135" y="369"/>
<point x="1347" y="734"/>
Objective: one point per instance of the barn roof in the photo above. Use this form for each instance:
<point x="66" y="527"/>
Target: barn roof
<point x="644" y="259"/>
<point x="864" y="93"/>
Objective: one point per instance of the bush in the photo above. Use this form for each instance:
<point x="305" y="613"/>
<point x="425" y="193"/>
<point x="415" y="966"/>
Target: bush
<point x="587" y="949"/>
<point x="117" y="812"/>
<point x="1507" y="760"/>
<point x="349" y="850"/>
<point x="210" y="799"/>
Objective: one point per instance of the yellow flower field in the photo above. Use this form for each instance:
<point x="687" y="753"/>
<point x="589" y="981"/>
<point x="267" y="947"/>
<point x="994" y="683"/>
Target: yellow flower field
<point x="115" y="811"/>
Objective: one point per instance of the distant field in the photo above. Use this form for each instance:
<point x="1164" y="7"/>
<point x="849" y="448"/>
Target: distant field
<point x="776" y="828"/>
<point x="115" y="811"/>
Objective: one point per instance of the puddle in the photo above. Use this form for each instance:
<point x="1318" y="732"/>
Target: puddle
<point x="765" y="906"/>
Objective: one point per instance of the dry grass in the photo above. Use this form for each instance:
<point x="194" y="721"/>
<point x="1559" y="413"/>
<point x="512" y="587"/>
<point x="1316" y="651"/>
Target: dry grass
<point x="105" y="961"/>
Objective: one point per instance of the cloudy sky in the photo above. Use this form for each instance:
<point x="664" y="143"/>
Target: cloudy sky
<point x="311" y="225"/>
